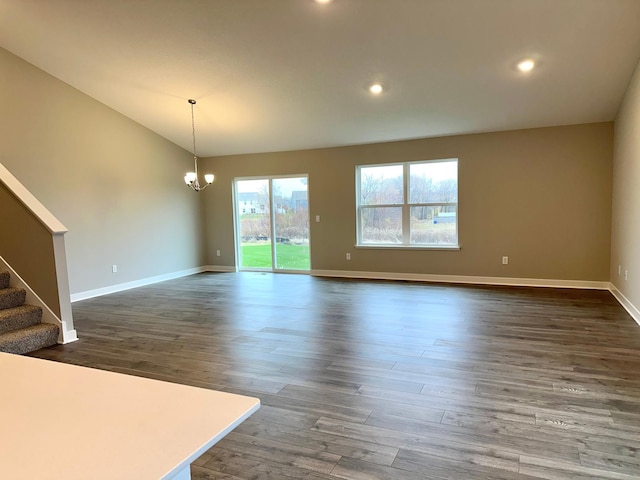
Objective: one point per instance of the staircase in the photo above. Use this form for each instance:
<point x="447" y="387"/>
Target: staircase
<point x="21" y="327"/>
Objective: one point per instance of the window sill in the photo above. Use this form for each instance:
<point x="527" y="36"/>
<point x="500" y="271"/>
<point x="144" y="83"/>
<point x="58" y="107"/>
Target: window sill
<point x="410" y="247"/>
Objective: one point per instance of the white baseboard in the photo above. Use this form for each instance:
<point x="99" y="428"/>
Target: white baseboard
<point x="219" y="268"/>
<point x="421" y="277"/>
<point x="624" y="301"/>
<point x="69" y="336"/>
<point x="76" y="297"/>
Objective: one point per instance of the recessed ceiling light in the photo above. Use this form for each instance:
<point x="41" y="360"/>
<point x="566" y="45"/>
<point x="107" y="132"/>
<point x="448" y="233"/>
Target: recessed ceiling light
<point x="376" y="88"/>
<point x="526" y="65"/>
<point x="323" y="1"/>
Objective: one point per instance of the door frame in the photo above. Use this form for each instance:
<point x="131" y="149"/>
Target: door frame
<point x="272" y="222"/>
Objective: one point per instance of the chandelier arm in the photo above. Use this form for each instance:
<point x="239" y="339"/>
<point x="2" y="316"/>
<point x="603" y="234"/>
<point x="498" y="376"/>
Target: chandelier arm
<point x="196" y="186"/>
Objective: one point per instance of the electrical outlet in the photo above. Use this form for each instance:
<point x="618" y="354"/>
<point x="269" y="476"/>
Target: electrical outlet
<point x="217" y="253"/>
<point x="114" y="268"/>
<point x="505" y="260"/>
<point x="318" y="218"/>
<point x="348" y="256"/>
<point x="626" y="275"/>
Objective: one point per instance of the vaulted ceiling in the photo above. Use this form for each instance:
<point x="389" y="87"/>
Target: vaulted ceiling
<point x="272" y="75"/>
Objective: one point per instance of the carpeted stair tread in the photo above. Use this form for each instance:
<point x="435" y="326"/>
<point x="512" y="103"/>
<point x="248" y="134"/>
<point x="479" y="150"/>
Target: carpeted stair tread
<point x="24" y="316"/>
<point x="29" y="339"/>
<point x="12" y="297"/>
<point x="4" y="279"/>
<point x="21" y="327"/>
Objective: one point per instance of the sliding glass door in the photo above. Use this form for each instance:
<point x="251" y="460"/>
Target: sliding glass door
<point x="272" y="223"/>
<point x="253" y="223"/>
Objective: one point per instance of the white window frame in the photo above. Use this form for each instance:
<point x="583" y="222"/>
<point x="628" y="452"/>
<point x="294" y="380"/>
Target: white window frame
<point x="406" y="208"/>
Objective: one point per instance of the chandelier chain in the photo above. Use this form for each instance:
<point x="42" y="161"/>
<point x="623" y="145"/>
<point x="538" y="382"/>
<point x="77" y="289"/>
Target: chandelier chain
<point x="193" y="130"/>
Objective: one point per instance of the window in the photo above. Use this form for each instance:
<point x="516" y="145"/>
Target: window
<point x="411" y="204"/>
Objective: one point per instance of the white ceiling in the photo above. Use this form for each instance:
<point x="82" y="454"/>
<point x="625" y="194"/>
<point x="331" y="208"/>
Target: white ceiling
<point x="274" y="75"/>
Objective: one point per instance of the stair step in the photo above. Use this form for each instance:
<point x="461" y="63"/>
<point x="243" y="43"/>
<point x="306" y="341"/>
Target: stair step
<point x="4" y="279"/>
<point x="29" y="339"/>
<point x="16" y="318"/>
<point x="12" y="297"/>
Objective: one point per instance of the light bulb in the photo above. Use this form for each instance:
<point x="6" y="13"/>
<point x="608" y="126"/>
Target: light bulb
<point x="376" y="89"/>
<point x="208" y="178"/>
<point x="526" y="65"/>
<point x="189" y="178"/>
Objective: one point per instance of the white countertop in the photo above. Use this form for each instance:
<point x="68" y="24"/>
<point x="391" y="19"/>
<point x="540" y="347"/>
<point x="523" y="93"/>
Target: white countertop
<point x="67" y="422"/>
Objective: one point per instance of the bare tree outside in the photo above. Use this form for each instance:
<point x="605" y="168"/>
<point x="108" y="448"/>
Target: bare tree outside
<point x="382" y="191"/>
<point x="431" y="204"/>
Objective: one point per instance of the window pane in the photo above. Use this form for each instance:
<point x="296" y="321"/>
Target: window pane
<point x="433" y="182"/>
<point x="381" y="185"/>
<point x="382" y="225"/>
<point x="434" y="225"/>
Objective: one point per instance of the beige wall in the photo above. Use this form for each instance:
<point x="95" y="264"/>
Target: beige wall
<point x="114" y="184"/>
<point x="625" y="240"/>
<point x="27" y="245"/>
<point x="540" y="196"/>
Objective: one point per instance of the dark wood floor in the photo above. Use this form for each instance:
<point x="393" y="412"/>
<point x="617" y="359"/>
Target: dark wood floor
<point x="386" y="380"/>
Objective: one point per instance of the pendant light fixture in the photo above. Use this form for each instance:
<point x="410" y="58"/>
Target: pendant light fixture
<point x="191" y="178"/>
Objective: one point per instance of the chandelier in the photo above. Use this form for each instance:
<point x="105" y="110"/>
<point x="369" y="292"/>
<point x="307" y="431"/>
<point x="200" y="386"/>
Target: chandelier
<point x="191" y="178"/>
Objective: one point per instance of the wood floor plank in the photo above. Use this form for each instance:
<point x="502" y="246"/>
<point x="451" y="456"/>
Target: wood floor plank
<point x="354" y="469"/>
<point x="554" y="470"/>
<point x="347" y="447"/>
<point x="386" y="380"/>
<point x="468" y="465"/>
<point x="629" y="465"/>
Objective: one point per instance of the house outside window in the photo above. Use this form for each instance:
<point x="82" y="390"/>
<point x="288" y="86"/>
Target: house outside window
<point x="408" y="204"/>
